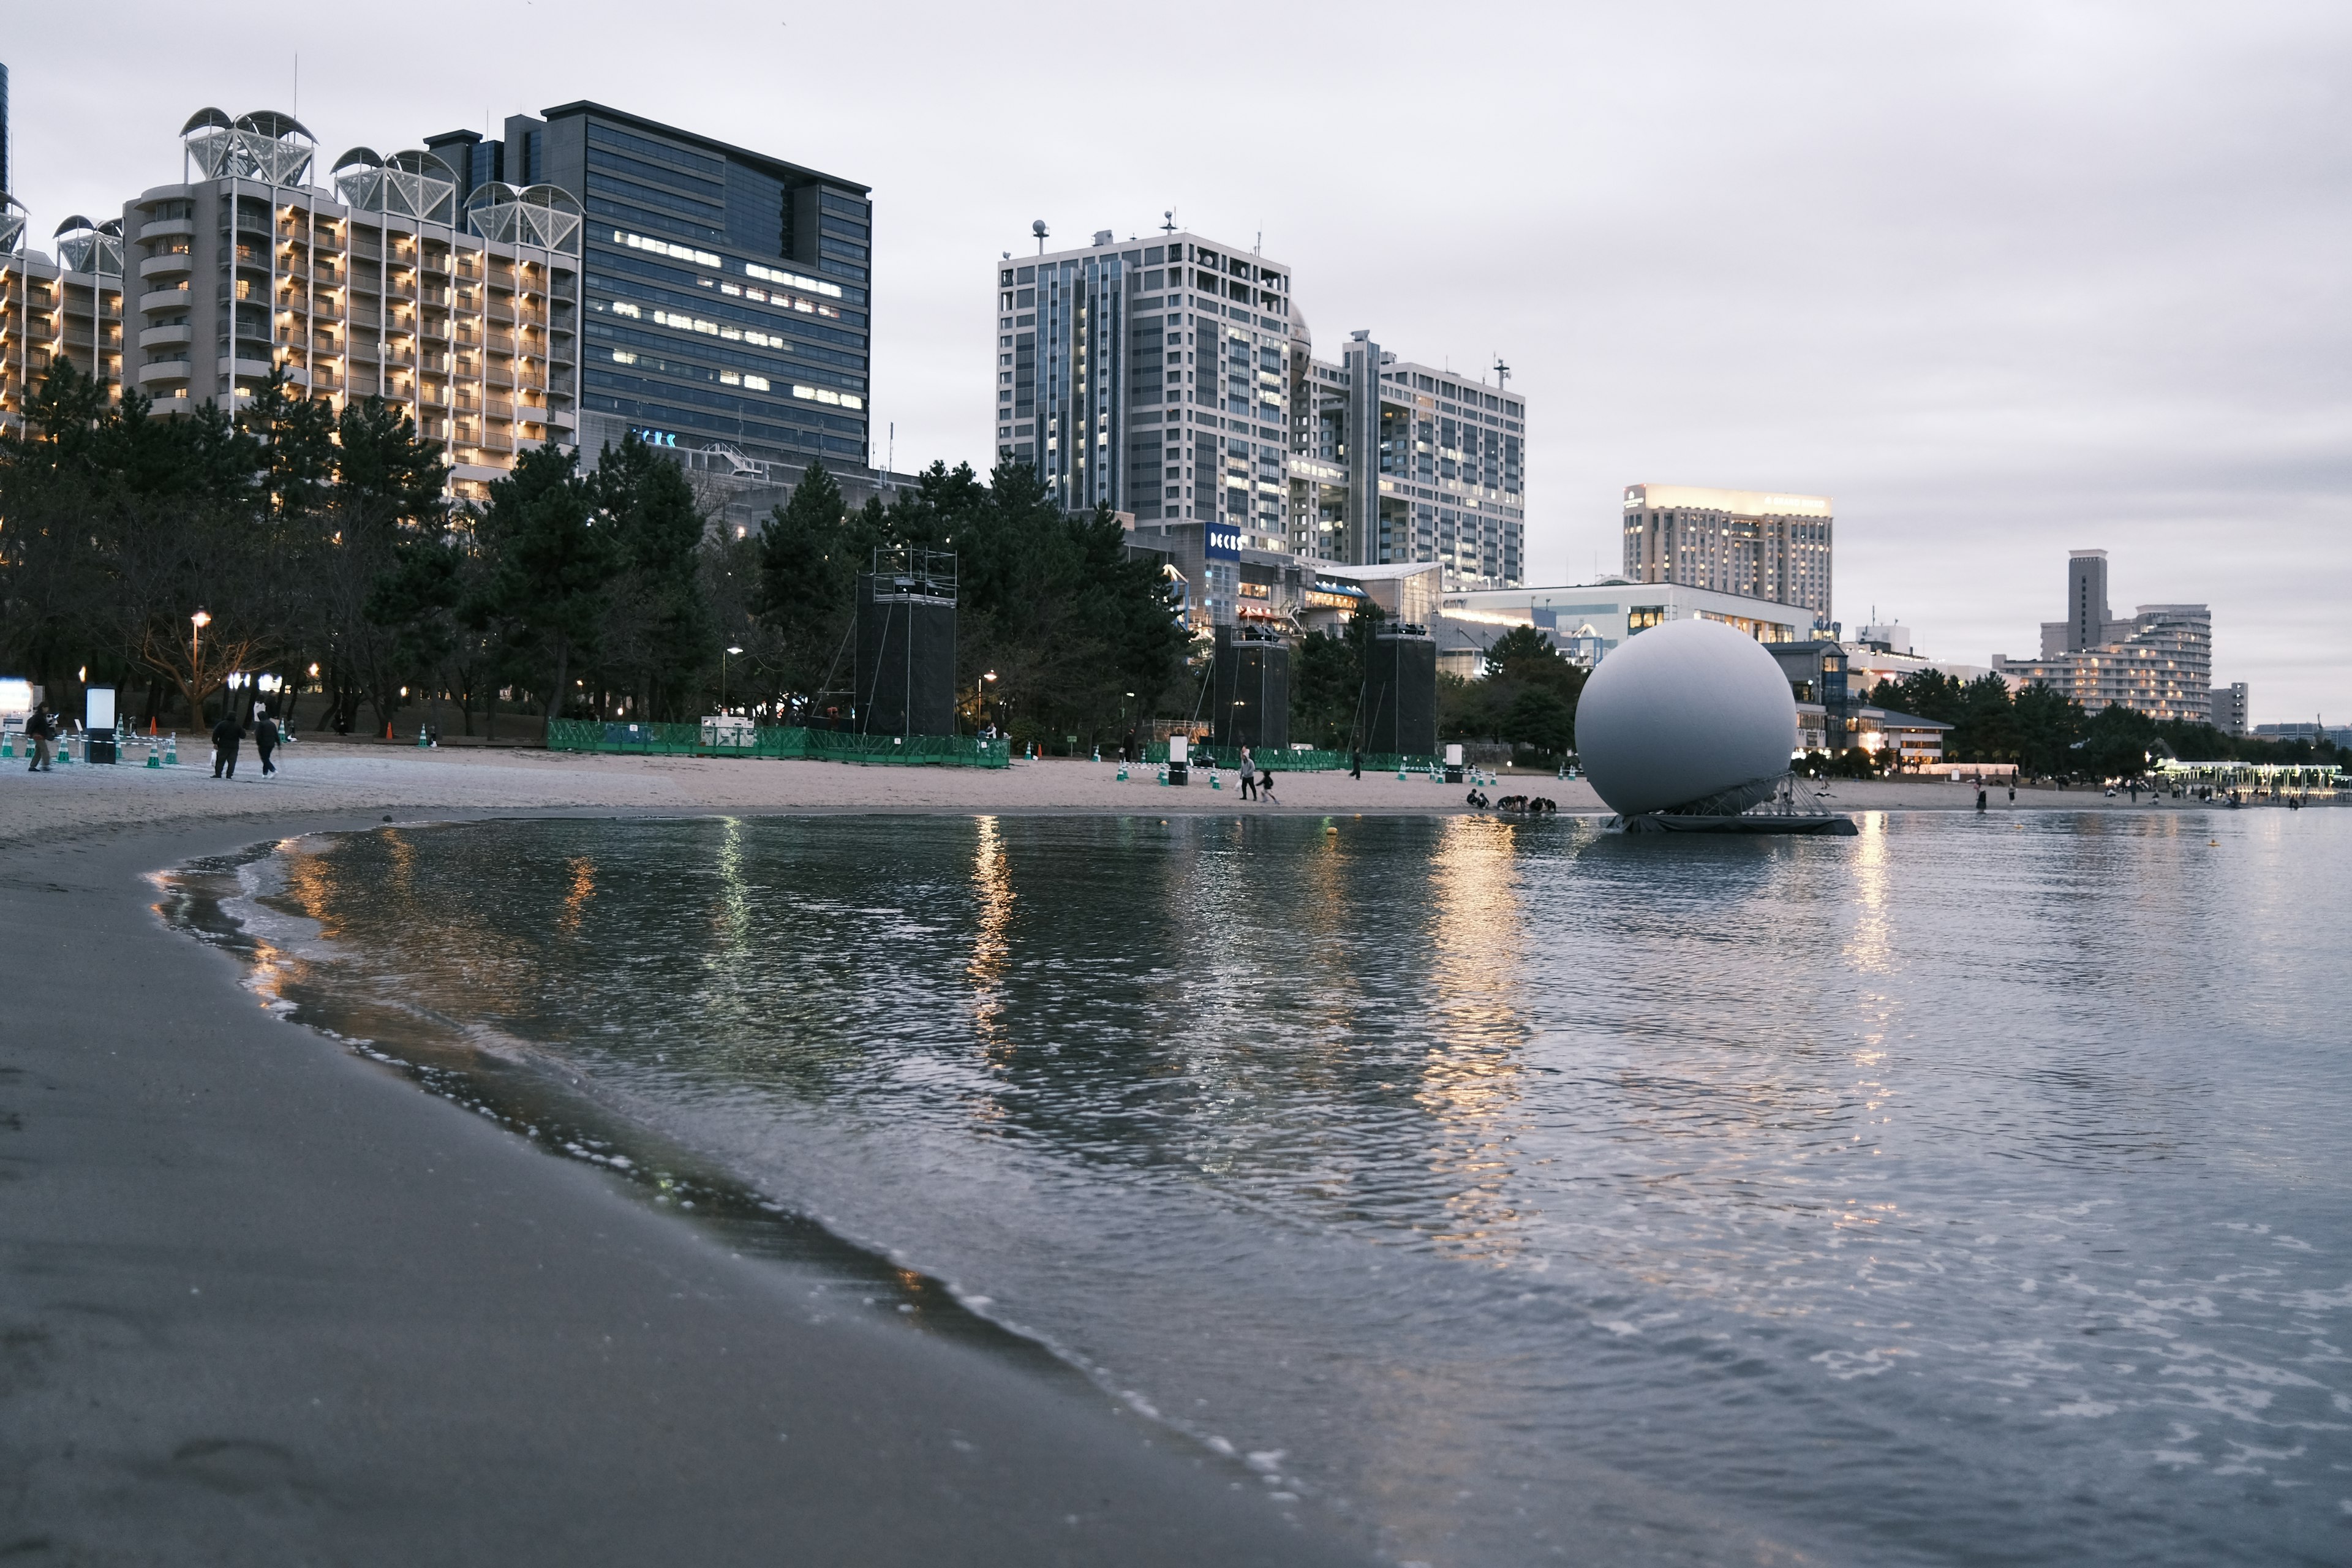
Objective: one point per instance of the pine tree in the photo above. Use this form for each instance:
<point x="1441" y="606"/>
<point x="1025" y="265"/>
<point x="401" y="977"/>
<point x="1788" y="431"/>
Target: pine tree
<point x="551" y="564"/>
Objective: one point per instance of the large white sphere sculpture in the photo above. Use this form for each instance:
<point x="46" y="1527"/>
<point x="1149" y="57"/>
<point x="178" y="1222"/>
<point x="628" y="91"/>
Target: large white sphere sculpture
<point x="1683" y="711"/>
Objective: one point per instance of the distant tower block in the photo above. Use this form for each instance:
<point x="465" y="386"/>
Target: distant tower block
<point x="906" y="643"/>
<point x="1401" y="693"/>
<point x="1253" y="688"/>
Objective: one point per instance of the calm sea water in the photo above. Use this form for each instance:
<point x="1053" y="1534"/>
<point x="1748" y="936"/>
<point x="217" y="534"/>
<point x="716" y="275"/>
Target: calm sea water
<point x="1972" y="1191"/>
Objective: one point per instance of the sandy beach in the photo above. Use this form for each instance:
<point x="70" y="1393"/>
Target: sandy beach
<point x="341" y="777"/>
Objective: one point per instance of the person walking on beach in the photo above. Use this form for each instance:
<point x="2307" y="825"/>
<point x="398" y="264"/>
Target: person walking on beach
<point x="2013" y="789"/>
<point x="37" y="730"/>
<point x="226" y="735"/>
<point x="1249" y="776"/>
<point x="265" y="740"/>
<point x="1356" y="764"/>
<point x="1265" y="786"/>
<point x="1981" y="797"/>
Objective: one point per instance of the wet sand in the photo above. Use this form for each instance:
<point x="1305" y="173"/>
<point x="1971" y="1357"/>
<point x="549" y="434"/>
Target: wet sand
<point x="262" y="1301"/>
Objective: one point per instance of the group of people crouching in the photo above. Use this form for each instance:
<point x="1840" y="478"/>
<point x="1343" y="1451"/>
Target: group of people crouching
<point x="1527" y="804"/>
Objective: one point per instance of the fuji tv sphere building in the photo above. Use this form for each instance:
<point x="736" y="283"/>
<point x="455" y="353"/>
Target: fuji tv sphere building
<point x="1683" y="714"/>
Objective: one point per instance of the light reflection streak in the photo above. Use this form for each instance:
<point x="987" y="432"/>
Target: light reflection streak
<point x="575" y="900"/>
<point x="992" y="944"/>
<point x="1868" y="947"/>
<point x="1470" y="1075"/>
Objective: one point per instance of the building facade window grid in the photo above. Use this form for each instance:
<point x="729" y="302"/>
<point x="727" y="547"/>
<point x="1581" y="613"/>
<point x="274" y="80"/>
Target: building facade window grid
<point x="1202" y="404"/>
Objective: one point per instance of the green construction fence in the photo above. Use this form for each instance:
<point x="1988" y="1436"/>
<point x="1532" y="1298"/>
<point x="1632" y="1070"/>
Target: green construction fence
<point x="777" y="741"/>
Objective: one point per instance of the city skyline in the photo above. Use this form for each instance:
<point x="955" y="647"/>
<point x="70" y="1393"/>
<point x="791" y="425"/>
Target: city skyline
<point x="2005" y="282"/>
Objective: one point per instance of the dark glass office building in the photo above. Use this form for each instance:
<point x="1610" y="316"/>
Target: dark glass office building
<point x="725" y="292"/>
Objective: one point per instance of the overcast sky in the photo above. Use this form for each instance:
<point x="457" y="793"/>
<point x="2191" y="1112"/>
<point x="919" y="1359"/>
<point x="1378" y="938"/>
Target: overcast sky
<point x="2005" y="280"/>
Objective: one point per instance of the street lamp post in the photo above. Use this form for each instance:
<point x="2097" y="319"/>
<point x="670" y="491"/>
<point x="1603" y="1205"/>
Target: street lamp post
<point x="197" y="623"/>
<point x="723" y="657"/>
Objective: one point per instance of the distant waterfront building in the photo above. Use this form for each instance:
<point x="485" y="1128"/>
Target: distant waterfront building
<point x="726" y="292"/>
<point x="1175" y="382"/>
<point x="2089" y="624"/>
<point x="1760" y="544"/>
<point x="2229" y="705"/>
<point x="2337" y="734"/>
<point x="1587" y="621"/>
<point x="2160" y="662"/>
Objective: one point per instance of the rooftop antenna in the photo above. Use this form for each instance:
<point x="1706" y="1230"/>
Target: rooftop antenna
<point x="1039" y="229"/>
<point x="1169" y="227"/>
<point x="1259" y="248"/>
<point x="1502" y="372"/>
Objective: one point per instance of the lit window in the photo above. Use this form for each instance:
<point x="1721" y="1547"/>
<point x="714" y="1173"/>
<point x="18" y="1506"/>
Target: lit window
<point x="793" y="279"/>
<point x="664" y="248"/>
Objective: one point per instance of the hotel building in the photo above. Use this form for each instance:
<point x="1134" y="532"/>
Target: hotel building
<point x="2160" y="662"/>
<point x="1756" y="544"/>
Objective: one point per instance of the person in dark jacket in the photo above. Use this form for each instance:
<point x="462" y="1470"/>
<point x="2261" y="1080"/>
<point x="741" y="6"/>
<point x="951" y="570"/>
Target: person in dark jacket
<point x="226" y="736"/>
<point x="265" y="740"/>
<point x="38" y="728"/>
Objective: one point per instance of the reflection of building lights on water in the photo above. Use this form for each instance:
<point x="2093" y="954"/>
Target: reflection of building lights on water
<point x="1469" y="1081"/>
<point x="991" y="884"/>
<point x="575" y="899"/>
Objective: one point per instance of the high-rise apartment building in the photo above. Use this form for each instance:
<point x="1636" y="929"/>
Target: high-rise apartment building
<point x="1154" y="379"/>
<point x="2158" y="662"/>
<point x="68" y="306"/>
<point x="727" y="293"/>
<point x="1176" y="382"/>
<point x="1758" y="543"/>
<point x="384" y="287"/>
<point x="2228" y="708"/>
<point x="1439" y="473"/>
